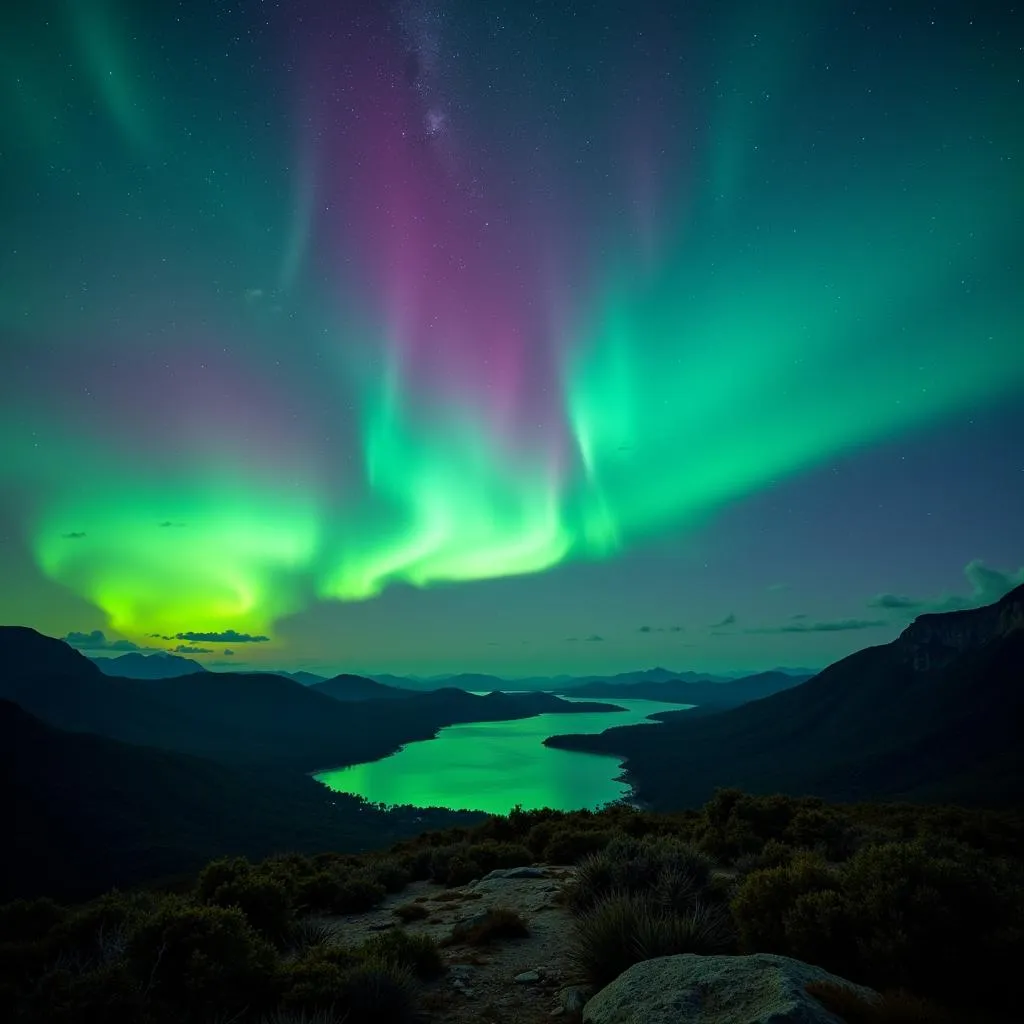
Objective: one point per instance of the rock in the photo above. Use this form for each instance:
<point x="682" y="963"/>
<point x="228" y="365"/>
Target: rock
<point x="573" y="998"/>
<point x="556" y="1012"/>
<point x="469" y="992"/>
<point x="759" y="989"/>
<point x="460" y="971"/>
<point x="527" y="978"/>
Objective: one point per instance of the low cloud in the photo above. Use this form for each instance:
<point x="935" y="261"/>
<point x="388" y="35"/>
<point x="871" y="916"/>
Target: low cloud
<point x="798" y="615"/>
<point x="167" y="524"/>
<point x="228" y="636"/>
<point x="645" y="629"/>
<point x="190" y="649"/>
<point x="893" y="601"/>
<point x="987" y="586"/>
<point x="661" y="629"/>
<point x="97" y="641"/>
<point x="832" y="626"/>
<point x="74" y="535"/>
<point x="729" y="620"/>
<point x="594" y="639"/>
<point x="775" y="587"/>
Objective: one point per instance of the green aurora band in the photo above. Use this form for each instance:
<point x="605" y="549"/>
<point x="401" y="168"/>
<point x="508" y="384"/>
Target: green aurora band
<point x="793" y="310"/>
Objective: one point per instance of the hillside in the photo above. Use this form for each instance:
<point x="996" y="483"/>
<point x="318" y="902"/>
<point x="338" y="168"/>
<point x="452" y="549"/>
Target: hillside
<point x="350" y="687"/>
<point x="938" y="714"/>
<point x="92" y="813"/>
<point x="237" y="717"/>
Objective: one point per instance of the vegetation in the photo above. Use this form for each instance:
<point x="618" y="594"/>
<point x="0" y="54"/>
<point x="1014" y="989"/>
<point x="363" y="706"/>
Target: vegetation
<point x="492" y="925"/>
<point x="927" y="900"/>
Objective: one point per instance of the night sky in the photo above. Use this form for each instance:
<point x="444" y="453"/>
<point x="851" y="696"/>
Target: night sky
<point x="520" y="337"/>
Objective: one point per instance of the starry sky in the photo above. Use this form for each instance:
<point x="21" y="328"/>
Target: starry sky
<point x="523" y="337"/>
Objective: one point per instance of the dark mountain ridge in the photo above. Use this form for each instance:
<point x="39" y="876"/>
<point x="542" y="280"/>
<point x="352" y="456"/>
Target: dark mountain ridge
<point x="707" y="694"/>
<point x="147" y="666"/>
<point x="936" y="714"/>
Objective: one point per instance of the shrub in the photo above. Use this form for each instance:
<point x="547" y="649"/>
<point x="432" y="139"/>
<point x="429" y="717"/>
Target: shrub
<point x="107" y="993"/>
<point x="568" y="846"/>
<point x="200" y="957"/>
<point x="418" y="953"/>
<point x="266" y="904"/>
<point x="224" y="871"/>
<point x="411" y="912"/>
<point x="495" y="923"/>
<point x="675" y="872"/>
<point x="308" y="934"/>
<point x="623" y="929"/>
<point x="376" y="992"/>
<point x="492" y="855"/>
<point x="461" y="871"/>
<point x="357" y="894"/>
<point x="391" y="873"/>
<point x="765" y="897"/>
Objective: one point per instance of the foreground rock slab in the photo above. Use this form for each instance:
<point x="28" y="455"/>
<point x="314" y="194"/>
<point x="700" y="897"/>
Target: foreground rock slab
<point x="690" y="989"/>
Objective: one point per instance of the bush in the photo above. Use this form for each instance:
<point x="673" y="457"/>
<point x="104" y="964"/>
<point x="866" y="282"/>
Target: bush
<point x="107" y="994"/>
<point x="568" y="846"/>
<point x="495" y="923"/>
<point x="200" y="957"/>
<point x="462" y="871"/>
<point x="376" y="992"/>
<point x="765" y="898"/>
<point x="224" y="871"/>
<point x="676" y="873"/>
<point x="408" y="912"/>
<point x="418" y="953"/>
<point x="334" y="893"/>
<point x="624" y="929"/>
<point x="492" y="855"/>
<point x="391" y="873"/>
<point x="266" y="904"/>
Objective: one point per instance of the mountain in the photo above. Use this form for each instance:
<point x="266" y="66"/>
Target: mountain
<point x="559" y="684"/>
<point x="91" y="812"/>
<point x="148" y="666"/>
<point x="938" y="715"/>
<point x="708" y="695"/>
<point x="236" y="717"/>
<point x="349" y="687"/>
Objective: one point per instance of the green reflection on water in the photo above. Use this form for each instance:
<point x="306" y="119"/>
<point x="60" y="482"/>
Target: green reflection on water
<point x="492" y="766"/>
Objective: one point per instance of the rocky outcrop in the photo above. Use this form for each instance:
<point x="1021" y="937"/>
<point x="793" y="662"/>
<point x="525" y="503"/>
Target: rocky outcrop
<point x="690" y="989"/>
<point x="932" y="641"/>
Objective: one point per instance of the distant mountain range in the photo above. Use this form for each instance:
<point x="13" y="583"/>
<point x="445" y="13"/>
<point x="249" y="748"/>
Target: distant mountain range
<point x="170" y="666"/>
<point x="710" y="695"/>
<point x="936" y="715"/>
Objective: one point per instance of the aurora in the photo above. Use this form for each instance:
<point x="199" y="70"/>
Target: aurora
<point x="305" y="306"/>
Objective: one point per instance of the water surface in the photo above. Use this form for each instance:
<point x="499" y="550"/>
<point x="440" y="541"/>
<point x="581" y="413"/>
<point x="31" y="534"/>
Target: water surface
<point x="492" y="766"/>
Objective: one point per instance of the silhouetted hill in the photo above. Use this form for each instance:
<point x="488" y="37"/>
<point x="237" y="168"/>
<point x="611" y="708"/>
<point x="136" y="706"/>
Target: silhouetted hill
<point x="937" y="714"/>
<point x="148" y="666"/>
<point x="725" y="694"/>
<point x="239" y="717"/>
<point x="349" y="687"/>
<point x="89" y="813"/>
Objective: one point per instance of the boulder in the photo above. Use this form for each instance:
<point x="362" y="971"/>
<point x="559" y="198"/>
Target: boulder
<point x="691" y="989"/>
<point x="526" y="871"/>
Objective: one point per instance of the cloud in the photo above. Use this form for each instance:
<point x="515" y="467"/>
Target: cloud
<point x="167" y="524"/>
<point x="729" y="620"/>
<point x="644" y="629"/>
<point x="190" y="649"/>
<point x="799" y="615"/>
<point x="775" y="587"/>
<point x="676" y="629"/>
<point x="74" y="535"/>
<point x="661" y="629"/>
<point x="229" y="653"/>
<point x="97" y="641"/>
<point x="893" y="601"/>
<point x="832" y="626"/>
<point x="987" y="587"/>
<point x="594" y="639"/>
<point x="228" y="636"/>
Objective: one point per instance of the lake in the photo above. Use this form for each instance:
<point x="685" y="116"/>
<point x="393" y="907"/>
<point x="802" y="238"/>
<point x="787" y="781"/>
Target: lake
<point x="492" y="766"/>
